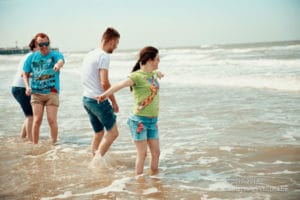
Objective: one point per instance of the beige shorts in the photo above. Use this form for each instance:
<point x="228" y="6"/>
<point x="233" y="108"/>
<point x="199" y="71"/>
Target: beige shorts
<point x="51" y="99"/>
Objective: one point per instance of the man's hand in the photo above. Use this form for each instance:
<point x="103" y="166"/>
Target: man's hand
<point x="115" y="107"/>
<point x="56" y="67"/>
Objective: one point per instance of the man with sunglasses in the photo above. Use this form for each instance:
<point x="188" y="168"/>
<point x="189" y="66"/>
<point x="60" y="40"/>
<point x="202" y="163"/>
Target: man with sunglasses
<point x="44" y="66"/>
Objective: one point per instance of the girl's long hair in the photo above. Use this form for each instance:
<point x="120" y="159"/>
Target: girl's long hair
<point x="147" y="53"/>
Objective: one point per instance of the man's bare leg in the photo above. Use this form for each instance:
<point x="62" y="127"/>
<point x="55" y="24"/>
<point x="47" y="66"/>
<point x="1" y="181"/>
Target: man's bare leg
<point x="38" y="111"/>
<point x="96" y="141"/>
<point x="106" y="142"/>
<point x="52" y="121"/>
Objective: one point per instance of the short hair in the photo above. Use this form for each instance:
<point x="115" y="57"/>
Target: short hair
<point x="110" y="34"/>
<point x="41" y="35"/>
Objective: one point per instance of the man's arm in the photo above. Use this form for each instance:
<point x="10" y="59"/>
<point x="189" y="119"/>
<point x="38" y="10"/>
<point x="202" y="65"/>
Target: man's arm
<point x="60" y="63"/>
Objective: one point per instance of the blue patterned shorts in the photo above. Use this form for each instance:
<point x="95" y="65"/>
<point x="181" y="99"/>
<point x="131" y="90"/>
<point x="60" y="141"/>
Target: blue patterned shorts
<point x="143" y="128"/>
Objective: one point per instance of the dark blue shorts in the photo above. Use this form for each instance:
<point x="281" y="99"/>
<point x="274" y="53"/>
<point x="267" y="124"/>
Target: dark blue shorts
<point x="20" y="95"/>
<point x="101" y="115"/>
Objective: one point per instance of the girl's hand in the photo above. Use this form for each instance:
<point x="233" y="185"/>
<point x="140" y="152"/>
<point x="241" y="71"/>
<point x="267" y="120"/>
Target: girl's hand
<point x="160" y="75"/>
<point x="28" y="91"/>
<point x="100" y="98"/>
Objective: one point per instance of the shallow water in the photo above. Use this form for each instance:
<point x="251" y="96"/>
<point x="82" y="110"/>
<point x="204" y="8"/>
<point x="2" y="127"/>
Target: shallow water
<point x="225" y="132"/>
<point x="225" y="172"/>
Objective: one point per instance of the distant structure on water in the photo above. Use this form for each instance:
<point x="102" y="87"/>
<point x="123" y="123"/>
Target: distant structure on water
<point x="13" y="50"/>
<point x="16" y="50"/>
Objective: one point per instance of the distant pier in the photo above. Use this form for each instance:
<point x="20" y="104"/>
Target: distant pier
<point x="16" y="50"/>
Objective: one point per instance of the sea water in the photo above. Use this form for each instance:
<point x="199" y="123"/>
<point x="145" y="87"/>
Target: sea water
<point x="229" y="128"/>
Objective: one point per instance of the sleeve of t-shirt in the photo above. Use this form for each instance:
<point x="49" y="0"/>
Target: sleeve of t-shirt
<point x="134" y="77"/>
<point x="27" y="64"/>
<point x="104" y="62"/>
<point x="58" y="56"/>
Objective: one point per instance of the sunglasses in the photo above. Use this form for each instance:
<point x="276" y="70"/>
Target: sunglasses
<point x="43" y="44"/>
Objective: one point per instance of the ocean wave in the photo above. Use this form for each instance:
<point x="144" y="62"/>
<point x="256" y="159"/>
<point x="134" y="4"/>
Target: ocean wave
<point x="291" y="84"/>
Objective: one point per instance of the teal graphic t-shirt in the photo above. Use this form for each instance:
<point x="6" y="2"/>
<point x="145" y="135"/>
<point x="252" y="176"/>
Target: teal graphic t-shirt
<point x="146" y="93"/>
<point x="44" y="78"/>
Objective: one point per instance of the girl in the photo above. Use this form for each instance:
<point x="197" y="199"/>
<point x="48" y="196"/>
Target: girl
<point x="19" y="92"/>
<point x="143" y="120"/>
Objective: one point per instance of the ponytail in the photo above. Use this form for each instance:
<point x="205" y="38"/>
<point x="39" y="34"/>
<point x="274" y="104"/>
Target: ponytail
<point x="136" y="67"/>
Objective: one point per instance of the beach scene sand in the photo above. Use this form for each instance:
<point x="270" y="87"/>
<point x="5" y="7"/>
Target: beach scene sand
<point x="229" y="129"/>
<point x="229" y="114"/>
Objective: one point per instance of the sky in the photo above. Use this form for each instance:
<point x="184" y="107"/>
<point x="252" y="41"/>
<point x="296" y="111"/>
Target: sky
<point x="77" y="25"/>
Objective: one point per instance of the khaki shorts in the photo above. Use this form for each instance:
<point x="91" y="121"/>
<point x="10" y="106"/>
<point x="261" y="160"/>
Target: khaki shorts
<point x="51" y="99"/>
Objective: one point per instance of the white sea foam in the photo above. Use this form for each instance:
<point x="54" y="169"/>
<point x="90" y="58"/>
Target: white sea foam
<point x="290" y="136"/>
<point x="284" y="83"/>
<point x="221" y="186"/>
<point x="207" y="160"/>
<point x="250" y="165"/>
<point x="82" y="151"/>
<point x="282" y="162"/>
<point x="225" y="148"/>
<point x="99" y="162"/>
<point x="51" y="155"/>
<point x="67" y="150"/>
<point x="286" y="172"/>
<point x="206" y="197"/>
<point x="150" y="191"/>
<point x="116" y="186"/>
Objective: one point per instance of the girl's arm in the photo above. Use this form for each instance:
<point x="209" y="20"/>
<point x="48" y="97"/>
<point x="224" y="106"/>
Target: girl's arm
<point x="126" y="83"/>
<point x="25" y="77"/>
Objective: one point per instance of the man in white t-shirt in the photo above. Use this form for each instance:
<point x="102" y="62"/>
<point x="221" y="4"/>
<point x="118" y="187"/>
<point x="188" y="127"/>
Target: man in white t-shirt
<point x="95" y="81"/>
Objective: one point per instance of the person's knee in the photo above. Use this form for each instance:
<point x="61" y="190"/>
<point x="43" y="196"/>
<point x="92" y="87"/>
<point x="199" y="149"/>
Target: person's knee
<point x="156" y="153"/>
<point x="30" y="118"/>
<point x="142" y="155"/>
<point x="113" y="133"/>
<point x="98" y="135"/>
<point x="52" y="121"/>
<point x="37" y="120"/>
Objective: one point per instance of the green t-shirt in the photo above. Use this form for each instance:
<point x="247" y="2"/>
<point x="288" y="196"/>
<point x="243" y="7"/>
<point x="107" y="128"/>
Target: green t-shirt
<point x="146" y="93"/>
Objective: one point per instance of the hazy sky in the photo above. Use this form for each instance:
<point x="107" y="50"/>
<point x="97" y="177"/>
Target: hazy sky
<point x="79" y="24"/>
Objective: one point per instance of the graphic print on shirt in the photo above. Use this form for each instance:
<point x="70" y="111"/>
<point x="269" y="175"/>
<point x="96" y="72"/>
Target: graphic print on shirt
<point x="43" y="75"/>
<point x="153" y="89"/>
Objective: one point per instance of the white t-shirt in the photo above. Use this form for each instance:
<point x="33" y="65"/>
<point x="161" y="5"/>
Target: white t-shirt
<point x="18" y="80"/>
<point x="93" y="62"/>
